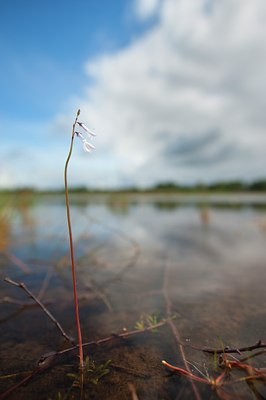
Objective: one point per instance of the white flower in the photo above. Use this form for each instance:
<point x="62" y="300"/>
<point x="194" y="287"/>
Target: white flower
<point x="89" y="132"/>
<point x="86" y="145"/>
<point x="79" y="135"/>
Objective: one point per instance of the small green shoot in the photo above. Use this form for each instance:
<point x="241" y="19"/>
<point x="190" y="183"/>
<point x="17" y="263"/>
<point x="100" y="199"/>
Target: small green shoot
<point x="146" y="321"/>
<point x="91" y="372"/>
<point x="152" y="320"/>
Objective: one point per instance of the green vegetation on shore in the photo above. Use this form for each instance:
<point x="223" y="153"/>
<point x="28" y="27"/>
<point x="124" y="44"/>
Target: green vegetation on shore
<point x="165" y="187"/>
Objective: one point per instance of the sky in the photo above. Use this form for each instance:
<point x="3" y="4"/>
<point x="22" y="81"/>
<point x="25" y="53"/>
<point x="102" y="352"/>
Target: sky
<point x="174" y="89"/>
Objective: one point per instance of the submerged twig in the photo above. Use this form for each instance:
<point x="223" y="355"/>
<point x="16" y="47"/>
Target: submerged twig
<point x="41" y="366"/>
<point x="258" y="345"/>
<point x="24" y="304"/>
<point x="168" y="307"/>
<point x="210" y="381"/>
<point x="114" y="336"/>
<point x="42" y="306"/>
<point x="98" y="293"/>
<point x="48" y="359"/>
<point x="133" y="392"/>
<point x="19" y="263"/>
<point x="253" y="372"/>
<point x="45" y="284"/>
<point x="138" y="374"/>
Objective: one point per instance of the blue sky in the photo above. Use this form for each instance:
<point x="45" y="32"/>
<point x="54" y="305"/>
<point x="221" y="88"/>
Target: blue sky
<point x="175" y="90"/>
<point x="45" y="45"/>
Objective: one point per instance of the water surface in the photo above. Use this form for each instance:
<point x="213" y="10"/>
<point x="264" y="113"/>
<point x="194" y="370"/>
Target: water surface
<point x="200" y="260"/>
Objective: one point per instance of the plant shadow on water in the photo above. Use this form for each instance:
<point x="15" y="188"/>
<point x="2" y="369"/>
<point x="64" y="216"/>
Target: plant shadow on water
<point x="196" y="272"/>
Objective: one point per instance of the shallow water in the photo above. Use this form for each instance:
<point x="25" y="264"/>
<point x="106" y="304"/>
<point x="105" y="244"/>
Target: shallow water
<point x="197" y="259"/>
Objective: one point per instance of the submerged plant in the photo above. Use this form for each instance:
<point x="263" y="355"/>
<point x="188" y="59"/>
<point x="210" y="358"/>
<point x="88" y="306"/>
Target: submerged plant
<point x="87" y="147"/>
<point x="146" y="321"/>
<point x="91" y="372"/>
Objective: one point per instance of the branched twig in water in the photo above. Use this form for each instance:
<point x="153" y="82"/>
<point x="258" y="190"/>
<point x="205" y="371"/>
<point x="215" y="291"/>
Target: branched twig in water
<point x="258" y="345"/>
<point x="175" y="332"/>
<point x="213" y="382"/>
<point x="228" y="364"/>
<point x="219" y="382"/>
<point x="114" y="336"/>
<point x="47" y="360"/>
<point x="40" y="304"/>
<point x="253" y="372"/>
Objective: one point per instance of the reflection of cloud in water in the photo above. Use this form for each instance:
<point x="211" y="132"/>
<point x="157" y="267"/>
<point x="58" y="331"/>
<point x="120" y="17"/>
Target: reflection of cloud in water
<point x="203" y="258"/>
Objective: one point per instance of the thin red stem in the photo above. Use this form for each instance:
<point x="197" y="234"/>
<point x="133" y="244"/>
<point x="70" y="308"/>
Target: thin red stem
<point x="73" y="268"/>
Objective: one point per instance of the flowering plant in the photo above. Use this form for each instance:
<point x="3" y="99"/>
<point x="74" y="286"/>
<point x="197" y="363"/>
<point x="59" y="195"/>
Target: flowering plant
<point x="87" y="147"/>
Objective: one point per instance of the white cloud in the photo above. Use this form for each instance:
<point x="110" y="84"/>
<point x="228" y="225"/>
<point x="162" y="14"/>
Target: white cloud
<point x="201" y="69"/>
<point x="146" y="8"/>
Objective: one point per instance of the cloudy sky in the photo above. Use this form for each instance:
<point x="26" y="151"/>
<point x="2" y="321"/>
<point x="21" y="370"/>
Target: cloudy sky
<point x="175" y="89"/>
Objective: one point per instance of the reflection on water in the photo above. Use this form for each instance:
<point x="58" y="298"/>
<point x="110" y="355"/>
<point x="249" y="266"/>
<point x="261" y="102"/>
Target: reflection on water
<point x="199" y="259"/>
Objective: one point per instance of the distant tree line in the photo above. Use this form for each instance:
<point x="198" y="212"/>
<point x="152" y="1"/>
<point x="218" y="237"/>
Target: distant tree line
<point x="220" y="186"/>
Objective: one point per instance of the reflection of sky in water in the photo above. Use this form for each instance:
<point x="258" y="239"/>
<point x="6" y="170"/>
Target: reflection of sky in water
<point x="210" y="249"/>
<point x="213" y="258"/>
<point x="229" y="234"/>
